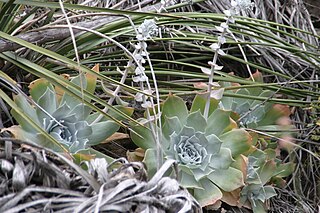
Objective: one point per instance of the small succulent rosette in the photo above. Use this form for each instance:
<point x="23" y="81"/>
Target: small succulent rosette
<point x="252" y="110"/>
<point x="264" y="171"/>
<point x="208" y="152"/>
<point x="63" y="117"/>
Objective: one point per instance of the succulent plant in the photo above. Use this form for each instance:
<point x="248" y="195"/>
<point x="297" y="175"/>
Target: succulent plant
<point x="254" y="113"/>
<point x="263" y="171"/>
<point x="64" y="117"/>
<point x="205" y="150"/>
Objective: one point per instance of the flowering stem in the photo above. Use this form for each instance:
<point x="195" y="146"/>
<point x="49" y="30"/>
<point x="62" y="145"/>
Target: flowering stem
<point x="213" y="65"/>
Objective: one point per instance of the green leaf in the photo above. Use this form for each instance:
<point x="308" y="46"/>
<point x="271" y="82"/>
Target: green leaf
<point x="266" y="172"/>
<point x="284" y="170"/>
<point x="227" y="179"/>
<point x="218" y="122"/>
<point x="92" y="79"/>
<point x="101" y="131"/>
<point x="28" y="110"/>
<point x="142" y="137"/>
<point x="188" y="181"/>
<point x="209" y="195"/>
<point x="171" y="125"/>
<point x="38" y="87"/>
<point x="199" y="103"/>
<point x="48" y="104"/>
<point x="258" y="207"/>
<point x="174" y="106"/>
<point x="150" y="160"/>
<point x="196" y="121"/>
<point x="237" y="140"/>
<point x="214" y="144"/>
<point x="222" y="160"/>
<point x="81" y="111"/>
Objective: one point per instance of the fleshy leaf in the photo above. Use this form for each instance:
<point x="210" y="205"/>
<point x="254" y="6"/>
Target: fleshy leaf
<point x="171" y="125"/>
<point x="266" y="172"/>
<point x="218" y="122"/>
<point x="175" y="106"/>
<point x="151" y="161"/>
<point x="199" y="103"/>
<point x="101" y="131"/>
<point x="22" y="103"/>
<point x="196" y="121"/>
<point x="92" y="79"/>
<point x="48" y="104"/>
<point x="81" y="111"/>
<point x="284" y="170"/>
<point x="189" y="181"/>
<point x="209" y="195"/>
<point x="38" y="87"/>
<point x="222" y="160"/>
<point x="237" y="140"/>
<point x="214" y="144"/>
<point x="227" y="179"/>
<point x="142" y="137"/>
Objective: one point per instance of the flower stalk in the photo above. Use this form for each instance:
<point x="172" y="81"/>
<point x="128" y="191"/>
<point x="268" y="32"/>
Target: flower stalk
<point x="236" y="7"/>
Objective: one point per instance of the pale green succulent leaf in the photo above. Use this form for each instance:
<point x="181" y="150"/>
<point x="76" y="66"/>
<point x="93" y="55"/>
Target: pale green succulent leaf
<point x="83" y="130"/>
<point x="61" y="111"/>
<point x="222" y="160"/>
<point x="227" y="179"/>
<point x="237" y="140"/>
<point x="258" y="207"/>
<point x="151" y="161"/>
<point x="269" y="192"/>
<point x="28" y="110"/>
<point x="101" y="131"/>
<point x="81" y="111"/>
<point x="214" y="144"/>
<point x="188" y="181"/>
<point x="71" y="101"/>
<point x="77" y="146"/>
<point x="218" y="121"/>
<point x="175" y="106"/>
<point x="284" y="170"/>
<point x="47" y="103"/>
<point x="142" y="137"/>
<point x="267" y="171"/>
<point x="227" y="103"/>
<point x="171" y="125"/>
<point x="187" y="131"/>
<point x="199" y="103"/>
<point x="39" y="87"/>
<point x="196" y="121"/>
<point x="45" y="142"/>
<point x="209" y="195"/>
<point x="200" y="173"/>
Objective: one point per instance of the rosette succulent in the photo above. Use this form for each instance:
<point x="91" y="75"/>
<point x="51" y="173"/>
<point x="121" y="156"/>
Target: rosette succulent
<point x="65" y="118"/>
<point x="263" y="171"/>
<point x="206" y="151"/>
<point x="254" y="113"/>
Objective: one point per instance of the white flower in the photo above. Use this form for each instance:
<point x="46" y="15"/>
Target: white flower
<point x="215" y="46"/>
<point x="147" y="104"/>
<point x="138" y="97"/>
<point x="147" y="29"/>
<point x="140" y="78"/>
<point x="139" y="70"/>
<point x="222" y="39"/>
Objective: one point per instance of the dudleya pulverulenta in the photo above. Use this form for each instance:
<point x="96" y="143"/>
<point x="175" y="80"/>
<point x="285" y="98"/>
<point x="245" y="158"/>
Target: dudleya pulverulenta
<point x="205" y="150"/>
<point x="67" y="119"/>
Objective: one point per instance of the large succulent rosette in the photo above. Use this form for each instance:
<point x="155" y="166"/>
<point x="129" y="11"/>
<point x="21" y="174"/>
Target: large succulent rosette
<point x="62" y="116"/>
<point x="208" y="152"/>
